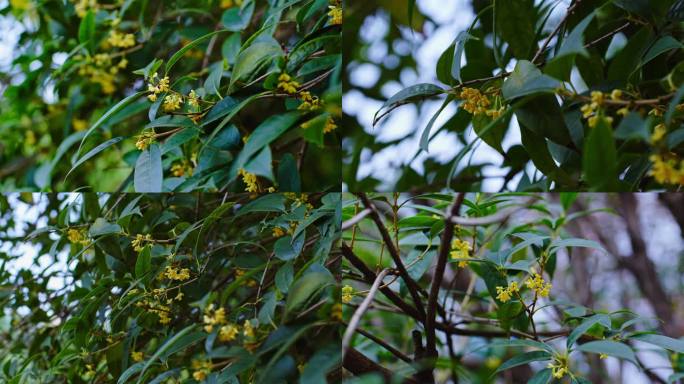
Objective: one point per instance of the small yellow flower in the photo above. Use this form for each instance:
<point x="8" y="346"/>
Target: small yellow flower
<point x="329" y="125"/>
<point x="278" y="232"/>
<point x="347" y="293"/>
<point x="624" y="111"/>
<point x="247" y="329"/>
<point x="659" y="131"/>
<point x="250" y="180"/>
<point x="460" y="250"/>
<point x="79" y="125"/>
<point x="286" y="84"/>
<point x="145" y="139"/>
<point x="120" y="40"/>
<point x="335" y="12"/>
<point x="78" y="236"/>
<point x="667" y="170"/>
<point x="309" y="102"/>
<point x="137" y="356"/>
<point x="474" y="101"/>
<point x="173" y="273"/>
<point x="230" y="3"/>
<point x="597" y="97"/>
<point x="559" y="367"/>
<point x="172" y="102"/>
<point x="228" y="332"/>
<point x="503" y="294"/>
<point x="616" y="95"/>
<point x="193" y="99"/>
<point x="656" y="111"/>
<point x="141" y="241"/>
<point x="538" y="285"/>
<point x="213" y="317"/>
<point x="201" y="369"/>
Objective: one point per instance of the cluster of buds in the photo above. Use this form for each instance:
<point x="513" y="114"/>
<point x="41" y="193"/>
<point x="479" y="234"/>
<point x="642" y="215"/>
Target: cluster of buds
<point x="145" y="139"/>
<point x="287" y="84"/>
<point x="157" y="86"/>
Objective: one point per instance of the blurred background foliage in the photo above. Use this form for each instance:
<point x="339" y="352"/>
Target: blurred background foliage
<point x="67" y="65"/>
<point x="173" y="288"/>
<point x="527" y="139"/>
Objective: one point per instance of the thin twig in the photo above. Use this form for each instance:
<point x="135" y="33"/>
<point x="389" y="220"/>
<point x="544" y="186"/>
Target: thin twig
<point x="569" y="11"/>
<point x="356" y="318"/>
<point x="383" y="344"/>
<point x="355" y="220"/>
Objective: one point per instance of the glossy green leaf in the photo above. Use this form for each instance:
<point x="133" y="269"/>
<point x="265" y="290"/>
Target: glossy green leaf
<point x="527" y="79"/>
<point x="148" y="170"/>
<point x="610" y="348"/>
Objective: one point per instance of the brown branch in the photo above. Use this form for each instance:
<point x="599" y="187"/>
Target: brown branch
<point x="399" y="354"/>
<point x="444" y="248"/>
<point x="394" y="253"/>
<point x="358" y="364"/>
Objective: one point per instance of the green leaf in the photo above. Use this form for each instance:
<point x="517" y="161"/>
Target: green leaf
<point x="408" y="94"/>
<point x="515" y="24"/>
<point x="220" y="109"/>
<point x="238" y="18"/>
<point x="253" y="57"/>
<point x="213" y="82"/>
<point x="148" y="171"/>
<point x="574" y="242"/>
<point x="664" y="44"/>
<point x="425" y="137"/>
<point x="179" y="138"/>
<point x="176" y="56"/>
<point x="610" y="348"/>
<point x="313" y="132"/>
<point x="263" y="135"/>
<point x="116" y="108"/>
<point x="143" y="263"/>
<point x="627" y="60"/>
<point x="675" y="138"/>
<point x="599" y="162"/>
<point x="132" y="370"/>
<point x="632" y="127"/>
<point x="582" y="329"/>
<point x="661" y="341"/>
<point x="574" y="43"/>
<point x="524" y="358"/>
<point x="306" y="288"/>
<point x="102" y="227"/>
<point x="285" y="248"/>
<point x="173" y="341"/>
<point x="541" y="377"/>
<point x="673" y="105"/>
<point x="543" y="115"/>
<point x="101" y="147"/>
<point x="537" y="148"/>
<point x="86" y="30"/>
<point x="459" y="44"/>
<point x="268" y="203"/>
<point x="288" y="174"/>
<point x="284" y="277"/>
<point x="527" y="79"/>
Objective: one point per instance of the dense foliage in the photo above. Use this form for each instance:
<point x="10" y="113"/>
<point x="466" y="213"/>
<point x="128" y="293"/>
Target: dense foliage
<point x="168" y="288"/>
<point x="179" y="95"/>
<point x="592" y="88"/>
<point x="470" y="289"/>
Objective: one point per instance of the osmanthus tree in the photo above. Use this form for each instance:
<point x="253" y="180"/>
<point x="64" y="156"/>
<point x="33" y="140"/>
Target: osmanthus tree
<point x="596" y="92"/>
<point x="145" y="96"/>
<point x="177" y="288"/>
<point x="456" y="288"/>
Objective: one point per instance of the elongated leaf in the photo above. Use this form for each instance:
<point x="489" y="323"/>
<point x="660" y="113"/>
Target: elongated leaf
<point x="409" y="93"/>
<point x="567" y="243"/>
<point x="459" y="45"/>
<point x="524" y="358"/>
<point x="541" y="377"/>
<point x="86" y="30"/>
<point x="664" y="44"/>
<point x="132" y="370"/>
<point x="582" y="329"/>
<point x="574" y="43"/>
<point x="253" y="57"/>
<point x="171" y="342"/>
<point x="600" y="158"/>
<point x="95" y="151"/>
<point x="673" y="104"/>
<point x="610" y="348"/>
<point x="143" y="263"/>
<point x="148" y="170"/>
<point x="176" y="56"/>
<point x="425" y="136"/>
<point x="661" y="341"/>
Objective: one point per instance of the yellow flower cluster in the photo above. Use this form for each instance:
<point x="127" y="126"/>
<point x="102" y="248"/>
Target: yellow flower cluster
<point x="460" y="250"/>
<point x="505" y="294"/>
<point x="278" y="232"/>
<point x="250" y="180"/>
<point x="120" y="40"/>
<point x="286" y="84"/>
<point x="100" y="70"/>
<point x="141" y="241"/>
<point x="201" y="369"/>
<point x="230" y="3"/>
<point x="213" y="317"/>
<point x="592" y="111"/>
<point x="559" y="367"/>
<point x="335" y="12"/>
<point x="474" y="101"/>
<point x="161" y="310"/>
<point x="137" y="356"/>
<point x="329" y="125"/>
<point x="145" y="139"/>
<point x="667" y="169"/>
<point x="309" y="102"/>
<point x="79" y="125"/>
<point x="228" y="332"/>
<point x="82" y="6"/>
<point x="336" y="312"/>
<point x="173" y="273"/>
<point x="157" y="86"/>
<point x="172" y="102"/>
<point x="78" y="236"/>
<point x="248" y="330"/>
<point x="538" y="285"/>
<point x="347" y="294"/>
<point x="659" y="131"/>
<point x="181" y="169"/>
<point x="193" y="99"/>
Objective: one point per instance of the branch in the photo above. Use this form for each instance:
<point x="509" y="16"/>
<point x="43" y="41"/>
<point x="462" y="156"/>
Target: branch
<point x="394" y="252"/>
<point x="571" y="8"/>
<point x="383" y="344"/>
<point x="358" y="364"/>
<point x="438" y="276"/>
<point x="370" y="277"/>
<point x="356" y="318"/>
<point x="354" y="220"/>
<point x="498" y="217"/>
